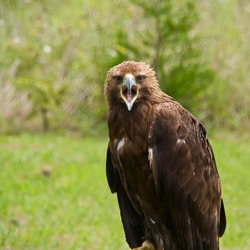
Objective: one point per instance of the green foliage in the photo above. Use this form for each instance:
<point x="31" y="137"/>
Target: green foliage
<point x="61" y="59"/>
<point x="54" y="193"/>
<point x="167" y="40"/>
<point x="225" y="36"/>
<point x="42" y="63"/>
<point x="55" y="56"/>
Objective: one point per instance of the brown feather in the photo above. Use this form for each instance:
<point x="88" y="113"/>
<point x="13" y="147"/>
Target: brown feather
<point x="160" y="157"/>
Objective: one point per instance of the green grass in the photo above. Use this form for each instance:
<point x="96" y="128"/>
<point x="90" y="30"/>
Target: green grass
<point x="73" y="208"/>
<point x="233" y="157"/>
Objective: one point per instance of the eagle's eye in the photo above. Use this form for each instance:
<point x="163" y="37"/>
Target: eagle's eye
<point x="140" y="78"/>
<point x="118" y="79"/>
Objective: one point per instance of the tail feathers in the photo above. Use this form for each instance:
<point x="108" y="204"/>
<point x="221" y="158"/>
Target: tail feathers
<point x="186" y="235"/>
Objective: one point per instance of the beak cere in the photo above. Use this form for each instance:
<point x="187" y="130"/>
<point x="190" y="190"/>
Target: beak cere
<point x="129" y="90"/>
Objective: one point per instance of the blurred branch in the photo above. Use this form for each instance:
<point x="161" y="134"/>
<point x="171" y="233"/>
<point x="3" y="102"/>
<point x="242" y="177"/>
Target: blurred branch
<point x="67" y="59"/>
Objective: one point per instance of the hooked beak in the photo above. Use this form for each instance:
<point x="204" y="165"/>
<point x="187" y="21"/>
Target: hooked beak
<point x="129" y="90"/>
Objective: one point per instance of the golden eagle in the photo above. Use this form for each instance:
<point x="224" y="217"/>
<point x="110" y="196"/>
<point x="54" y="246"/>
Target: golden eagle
<point x="161" y="165"/>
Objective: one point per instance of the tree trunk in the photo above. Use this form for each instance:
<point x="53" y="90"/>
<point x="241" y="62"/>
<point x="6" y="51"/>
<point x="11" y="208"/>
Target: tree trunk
<point x="45" y="119"/>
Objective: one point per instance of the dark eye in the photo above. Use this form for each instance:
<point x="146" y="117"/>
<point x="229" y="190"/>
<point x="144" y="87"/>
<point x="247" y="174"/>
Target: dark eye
<point x="118" y="79"/>
<point x="140" y="78"/>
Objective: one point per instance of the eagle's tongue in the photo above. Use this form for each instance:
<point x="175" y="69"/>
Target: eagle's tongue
<point x="129" y="96"/>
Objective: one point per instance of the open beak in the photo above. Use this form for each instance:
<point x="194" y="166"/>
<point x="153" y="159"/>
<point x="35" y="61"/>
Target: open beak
<point x="129" y="90"/>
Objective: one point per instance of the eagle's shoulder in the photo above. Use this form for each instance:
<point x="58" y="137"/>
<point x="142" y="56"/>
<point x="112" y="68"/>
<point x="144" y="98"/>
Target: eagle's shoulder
<point x="169" y="107"/>
<point x="173" y="119"/>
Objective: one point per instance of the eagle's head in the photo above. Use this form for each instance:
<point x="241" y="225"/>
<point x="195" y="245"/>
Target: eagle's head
<point x="129" y="83"/>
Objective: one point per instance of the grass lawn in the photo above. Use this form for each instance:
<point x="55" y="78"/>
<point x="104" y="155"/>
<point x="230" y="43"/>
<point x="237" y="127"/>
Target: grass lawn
<point x="54" y="193"/>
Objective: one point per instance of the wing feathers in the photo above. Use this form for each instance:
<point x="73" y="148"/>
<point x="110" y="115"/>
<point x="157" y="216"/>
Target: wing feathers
<point x="222" y="219"/>
<point x="111" y="173"/>
<point x="131" y="220"/>
<point x="185" y="174"/>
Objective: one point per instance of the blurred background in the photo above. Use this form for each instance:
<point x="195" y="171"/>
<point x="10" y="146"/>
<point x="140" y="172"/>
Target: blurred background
<point x="54" y="57"/>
